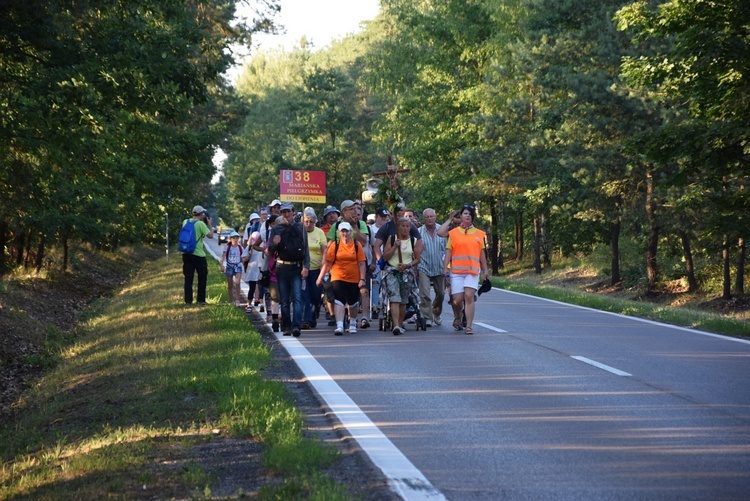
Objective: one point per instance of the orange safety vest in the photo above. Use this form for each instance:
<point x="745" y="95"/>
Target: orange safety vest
<point x="466" y="250"/>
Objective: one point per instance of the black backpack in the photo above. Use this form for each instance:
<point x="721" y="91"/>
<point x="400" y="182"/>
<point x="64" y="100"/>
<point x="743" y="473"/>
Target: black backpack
<point x="292" y="244"/>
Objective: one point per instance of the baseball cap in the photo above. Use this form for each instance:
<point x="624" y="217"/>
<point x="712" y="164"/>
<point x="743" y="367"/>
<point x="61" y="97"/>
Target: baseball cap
<point x="287" y="206"/>
<point x="275" y="202"/>
<point x="254" y="215"/>
<point x="234" y="234"/>
<point x="371" y="218"/>
<point x="382" y="212"/>
<point x="330" y="209"/>
<point x="198" y="209"/>
<point x="346" y="204"/>
<point x="345" y="226"/>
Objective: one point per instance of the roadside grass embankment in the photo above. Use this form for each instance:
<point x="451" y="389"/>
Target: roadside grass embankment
<point x="554" y="284"/>
<point x="147" y="382"/>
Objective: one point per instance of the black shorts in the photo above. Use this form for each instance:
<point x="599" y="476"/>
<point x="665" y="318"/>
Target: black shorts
<point x="345" y="292"/>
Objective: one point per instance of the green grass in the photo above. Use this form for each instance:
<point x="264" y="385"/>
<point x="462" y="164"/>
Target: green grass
<point x="683" y="317"/>
<point x="146" y="379"/>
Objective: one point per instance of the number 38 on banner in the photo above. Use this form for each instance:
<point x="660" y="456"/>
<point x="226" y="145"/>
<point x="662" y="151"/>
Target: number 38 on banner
<point x="302" y="186"/>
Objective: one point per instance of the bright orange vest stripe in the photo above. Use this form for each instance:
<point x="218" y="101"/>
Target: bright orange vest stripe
<point x="466" y="251"/>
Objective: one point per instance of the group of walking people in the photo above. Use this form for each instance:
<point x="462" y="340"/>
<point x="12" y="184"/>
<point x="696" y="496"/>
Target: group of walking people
<point x="295" y="265"/>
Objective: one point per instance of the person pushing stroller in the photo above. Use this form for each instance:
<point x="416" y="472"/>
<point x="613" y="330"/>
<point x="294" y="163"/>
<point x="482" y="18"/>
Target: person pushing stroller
<point x="402" y="255"/>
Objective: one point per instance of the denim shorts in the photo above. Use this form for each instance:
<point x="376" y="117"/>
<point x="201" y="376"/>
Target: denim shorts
<point x="233" y="269"/>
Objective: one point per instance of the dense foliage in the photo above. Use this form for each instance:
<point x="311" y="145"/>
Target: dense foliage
<point x="574" y="126"/>
<point x="111" y="113"/>
<point x="610" y="128"/>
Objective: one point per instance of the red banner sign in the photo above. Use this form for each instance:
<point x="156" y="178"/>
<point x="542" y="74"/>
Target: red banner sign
<point x="302" y="186"/>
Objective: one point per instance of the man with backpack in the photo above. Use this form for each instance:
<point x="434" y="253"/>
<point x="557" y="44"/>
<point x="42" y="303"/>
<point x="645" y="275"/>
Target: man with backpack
<point x="193" y="254"/>
<point x="288" y="243"/>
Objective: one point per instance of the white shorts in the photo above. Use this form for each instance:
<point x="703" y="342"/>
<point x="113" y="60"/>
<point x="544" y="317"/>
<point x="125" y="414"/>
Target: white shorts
<point x="461" y="281"/>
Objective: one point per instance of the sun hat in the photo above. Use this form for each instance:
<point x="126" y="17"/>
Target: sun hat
<point x="486" y="287"/>
<point x="345" y="226"/>
<point x="330" y="209"/>
<point x="254" y="215"/>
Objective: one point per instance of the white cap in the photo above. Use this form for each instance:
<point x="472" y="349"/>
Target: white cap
<point x="198" y="210"/>
<point x="275" y="202"/>
<point x="345" y="226"/>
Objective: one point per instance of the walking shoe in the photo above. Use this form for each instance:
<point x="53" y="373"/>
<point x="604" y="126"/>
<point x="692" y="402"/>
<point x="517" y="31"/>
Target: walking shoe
<point x="313" y="324"/>
<point x="438" y="320"/>
<point x="262" y="308"/>
<point x="352" y="327"/>
<point x="306" y="325"/>
<point x="275" y="326"/>
<point x="287" y="333"/>
<point x="296" y="332"/>
<point x="339" y="331"/>
<point x="375" y="314"/>
<point x="332" y="323"/>
<point x="428" y="323"/>
<point x="364" y="324"/>
<point x="397" y="331"/>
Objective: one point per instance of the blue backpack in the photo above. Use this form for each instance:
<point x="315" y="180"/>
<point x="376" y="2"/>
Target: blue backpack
<point x="187" y="241"/>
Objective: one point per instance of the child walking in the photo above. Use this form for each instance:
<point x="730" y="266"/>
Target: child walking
<point x="231" y="266"/>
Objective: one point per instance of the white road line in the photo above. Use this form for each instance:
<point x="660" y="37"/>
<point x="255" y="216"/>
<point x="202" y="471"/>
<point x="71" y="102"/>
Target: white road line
<point x="403" y="477"/>
<point x="488" y="326"/>
<point x="637" y="319"/>
<point x="601" y="366"/>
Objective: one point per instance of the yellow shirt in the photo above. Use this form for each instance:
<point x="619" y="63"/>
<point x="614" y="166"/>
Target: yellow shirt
<point x="315" y="239"/>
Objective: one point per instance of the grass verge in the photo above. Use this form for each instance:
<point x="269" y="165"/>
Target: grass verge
<point x="146" y="382"/>
<point x="680" y="316"/>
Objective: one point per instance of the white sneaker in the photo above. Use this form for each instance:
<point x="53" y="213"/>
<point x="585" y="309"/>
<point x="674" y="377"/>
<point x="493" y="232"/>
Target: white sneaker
<point x="428" y="323"/>
<point x="352" y="327"/>
<point x="438" y="320"/>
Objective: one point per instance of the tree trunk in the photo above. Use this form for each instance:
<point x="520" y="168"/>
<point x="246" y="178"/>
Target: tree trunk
<point x="66" y="249"/>
<point x="518" y="235"/>
<point x="727" y="292"/>
<point x="39" y="252"/>
<point x="4" y="256"/>
<point x="546" y="259"/>
<point x="687" y="254"/>
<point x="495" y="234"/>
<point x="614" y="243"/>
<point x="27" y="252"/>
<point x="653" y="238"/>
<point x="20" y="247"/>
<point x="537" y="246"/>
<point x="739" y="283"/>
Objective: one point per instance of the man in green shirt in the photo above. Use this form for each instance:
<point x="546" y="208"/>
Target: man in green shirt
<point x="196" y="261"/>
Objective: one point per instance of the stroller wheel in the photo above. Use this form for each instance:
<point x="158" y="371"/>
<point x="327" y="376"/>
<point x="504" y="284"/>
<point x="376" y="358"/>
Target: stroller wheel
<point x="380" y="325"/>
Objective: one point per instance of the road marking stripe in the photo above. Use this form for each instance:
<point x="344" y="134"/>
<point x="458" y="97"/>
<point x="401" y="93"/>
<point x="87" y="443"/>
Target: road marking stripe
<point x="403" y="477"/>
<point x="637" y="319"/>
<point x="488" y="326"/>
<point x="601" y="366"/>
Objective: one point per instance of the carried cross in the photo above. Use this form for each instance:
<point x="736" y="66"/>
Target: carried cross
<point x="391" y="171"/>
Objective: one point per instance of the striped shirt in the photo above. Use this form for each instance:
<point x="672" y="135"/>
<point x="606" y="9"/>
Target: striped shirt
<point x="432" y="254"/>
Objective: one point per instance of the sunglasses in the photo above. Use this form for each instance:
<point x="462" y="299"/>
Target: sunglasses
<point x="467" y="206"/>
<point x="342" y="229"/>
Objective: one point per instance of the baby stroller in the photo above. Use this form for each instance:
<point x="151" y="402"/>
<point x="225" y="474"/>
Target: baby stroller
<point x="412" y="308"/>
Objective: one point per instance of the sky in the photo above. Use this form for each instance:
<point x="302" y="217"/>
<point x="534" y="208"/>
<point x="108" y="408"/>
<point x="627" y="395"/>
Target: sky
<point x="321" y="21"/>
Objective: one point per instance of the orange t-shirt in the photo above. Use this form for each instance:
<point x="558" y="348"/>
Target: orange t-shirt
<point x="346" y="267"/>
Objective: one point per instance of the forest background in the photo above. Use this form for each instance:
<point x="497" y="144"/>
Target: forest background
<point x="606" y="128"/>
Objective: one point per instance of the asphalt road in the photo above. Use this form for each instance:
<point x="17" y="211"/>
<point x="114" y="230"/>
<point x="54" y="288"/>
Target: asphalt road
<point x="644" y="411"/>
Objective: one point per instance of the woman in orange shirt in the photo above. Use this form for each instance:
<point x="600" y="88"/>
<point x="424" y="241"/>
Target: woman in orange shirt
<point x="346" y="262"/>
<point x="465" y="255"/>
